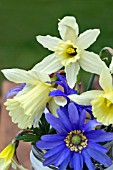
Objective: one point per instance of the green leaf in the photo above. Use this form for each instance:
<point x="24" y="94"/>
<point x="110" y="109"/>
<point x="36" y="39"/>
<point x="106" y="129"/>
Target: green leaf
<point x="29" y="138"/>
<point x="43" y="124"/>
<point x="34" y="134"/>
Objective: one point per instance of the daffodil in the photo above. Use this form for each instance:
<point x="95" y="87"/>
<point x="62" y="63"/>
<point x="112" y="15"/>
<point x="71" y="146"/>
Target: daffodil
<point x="101" y="100"/>
<point x="70" y="51"/>
<point x="28" y="105"/>
<point x="6" y="156"/>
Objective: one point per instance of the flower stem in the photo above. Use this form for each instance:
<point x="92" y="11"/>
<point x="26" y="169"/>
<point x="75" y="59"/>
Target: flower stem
<point x="89" y="87"/>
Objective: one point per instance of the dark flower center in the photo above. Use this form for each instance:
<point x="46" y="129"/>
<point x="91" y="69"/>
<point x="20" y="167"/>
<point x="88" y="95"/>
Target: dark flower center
<point x="76" y="141"/>
<point x="71" y="51"/>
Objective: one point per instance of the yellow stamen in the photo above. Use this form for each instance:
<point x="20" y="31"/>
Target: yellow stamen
<point x="71" y="51"/>
<point x="76" y="141"/>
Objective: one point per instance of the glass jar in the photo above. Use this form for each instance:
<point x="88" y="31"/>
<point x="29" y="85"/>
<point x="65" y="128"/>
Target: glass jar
<point x="36" y="157"/>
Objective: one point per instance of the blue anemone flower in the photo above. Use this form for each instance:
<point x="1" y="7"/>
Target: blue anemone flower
<point x="75" y="142"/>
<point x="14" y="91"/>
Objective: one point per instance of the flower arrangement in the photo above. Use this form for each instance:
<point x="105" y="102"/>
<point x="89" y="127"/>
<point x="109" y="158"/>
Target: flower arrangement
<point x="75" y="130"/>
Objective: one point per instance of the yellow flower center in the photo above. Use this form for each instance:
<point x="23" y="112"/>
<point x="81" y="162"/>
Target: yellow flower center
<point x="71" y="51"/>
<point x="76" y="141"/>
<point x="67" y="52"/>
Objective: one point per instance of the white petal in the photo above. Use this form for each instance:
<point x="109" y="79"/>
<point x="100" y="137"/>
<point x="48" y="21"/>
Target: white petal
<point x="53" y="107"/>
<point x="68" y="28"/>
<point x="22" y="76"/>
<point x="48" y="41"/>
<point x="86" y="97"/>
<point x="37" y="119"/>
<point x="49" y="65"/>
<point x="91" y="62"/>
<point x="18" y="75"/>
<point x="87" y="38"/>
<point x="105" y="80"/>
<point x="71" y="73"/>
<point x="40" y="76"/>
<point x="60" y="101"/>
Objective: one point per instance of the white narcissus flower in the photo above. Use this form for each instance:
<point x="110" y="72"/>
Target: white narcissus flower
<point x="101" y="100"/>
<point x="31" y="101"/>
<point x="70" y="51"/>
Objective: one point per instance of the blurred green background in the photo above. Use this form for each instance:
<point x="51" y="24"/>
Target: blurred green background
<point x="22" y="20"/>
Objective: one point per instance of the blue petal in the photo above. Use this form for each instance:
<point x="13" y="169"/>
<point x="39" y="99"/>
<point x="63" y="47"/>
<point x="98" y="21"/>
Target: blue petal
<point x="47" y="145"/>
<point x="71" y="91"/>
<point x="87" y="160"/>
<point x="90" y="125"/>
<point x="73" y="113"/>
<point x="56" y="149"/>
<point x="99" y="156"/>
<point x="65" y="163"/>
<point x="71" y="160"/>
<point x="65" y="121"/>
<point x="55" y="93"/>
<point x="98" y="147"/>
<point x="94" y="133"/>
<point x="52" y="138"/>
<point x="81" y="161"/>
<point x="65" y="153"/>
<point x="14" y="91"/>
<point x="82" y="118"/>
<point x="79" y="107"/>
<point x="104" y="137"/>
<point x="61" y="77"/>
<point x="65" y="110"/>
<point x="56" y="123"/>
<point x="89" y="108"/>
<point x="67" y="89"/>
<point x="51" y="160"/>
<point x="76" y="161"/>
<point x="64" y="85"/>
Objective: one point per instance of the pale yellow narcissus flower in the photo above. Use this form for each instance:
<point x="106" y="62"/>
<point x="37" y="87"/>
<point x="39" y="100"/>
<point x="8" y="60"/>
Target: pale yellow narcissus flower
<point x="70" y="51"/>
<point x="6" y="156"/>
<point x="29" y="104"/>
<point x="101" y="100"/>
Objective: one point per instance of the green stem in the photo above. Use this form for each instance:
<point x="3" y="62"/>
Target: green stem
<point x="89" y="87"/>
